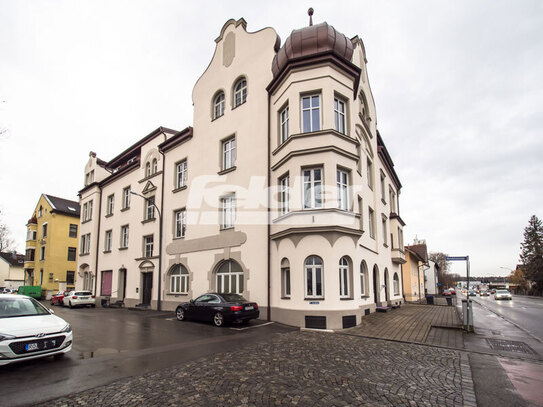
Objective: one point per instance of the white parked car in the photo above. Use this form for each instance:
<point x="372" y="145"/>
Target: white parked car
<point x="502" y="295"/>
<point x="79" y="298"/>
<point x="28" y="330"/>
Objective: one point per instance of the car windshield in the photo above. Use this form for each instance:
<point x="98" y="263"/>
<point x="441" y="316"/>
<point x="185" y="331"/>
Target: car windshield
<point x="233" y="298"/>
<point x="21" y="307"/>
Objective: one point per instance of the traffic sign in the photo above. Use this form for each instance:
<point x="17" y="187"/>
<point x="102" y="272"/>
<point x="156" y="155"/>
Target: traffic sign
<point x="456" y="258"/>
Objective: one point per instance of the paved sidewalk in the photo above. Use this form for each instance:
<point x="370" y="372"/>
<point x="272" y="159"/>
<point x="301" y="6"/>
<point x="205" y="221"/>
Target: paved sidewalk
<point x="300" y="368"/>
<point x="424" y="324"/>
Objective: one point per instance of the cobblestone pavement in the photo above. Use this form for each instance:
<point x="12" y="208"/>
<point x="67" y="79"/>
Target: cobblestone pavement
<point x="299" y="368"/>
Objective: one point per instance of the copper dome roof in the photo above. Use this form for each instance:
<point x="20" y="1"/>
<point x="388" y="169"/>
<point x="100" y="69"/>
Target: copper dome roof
<point x="312" y="40"/>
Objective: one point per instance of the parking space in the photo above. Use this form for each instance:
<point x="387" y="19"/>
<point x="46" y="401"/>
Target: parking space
<point x="110" y="344"/>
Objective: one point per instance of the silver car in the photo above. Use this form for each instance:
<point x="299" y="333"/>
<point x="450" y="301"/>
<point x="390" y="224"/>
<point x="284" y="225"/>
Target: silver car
<point x="503" y="295"/>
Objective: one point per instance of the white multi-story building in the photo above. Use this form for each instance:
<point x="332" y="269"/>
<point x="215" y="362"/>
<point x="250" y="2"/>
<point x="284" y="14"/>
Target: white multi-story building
<point x="282" y="190"/>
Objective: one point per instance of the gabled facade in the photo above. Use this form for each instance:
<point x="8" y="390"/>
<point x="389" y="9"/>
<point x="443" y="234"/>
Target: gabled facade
<point x="282" y="190"/>
<point x="11" y="269"/>
<point x="413" y="270"/>
<point x="51" y="244"/>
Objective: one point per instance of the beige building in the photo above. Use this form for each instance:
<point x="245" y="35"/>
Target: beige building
<point x="413" y="271"/>
<point x="282" y="190"/>
<point x="12" y="273"/>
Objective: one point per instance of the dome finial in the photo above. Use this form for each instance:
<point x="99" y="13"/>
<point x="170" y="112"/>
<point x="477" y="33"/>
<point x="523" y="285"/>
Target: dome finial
<point x="310" y="13"/>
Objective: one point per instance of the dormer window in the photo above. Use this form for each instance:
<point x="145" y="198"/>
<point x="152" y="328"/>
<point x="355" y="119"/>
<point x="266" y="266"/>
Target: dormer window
<point x="218" y="105"/>
<point x="240" y="92"/>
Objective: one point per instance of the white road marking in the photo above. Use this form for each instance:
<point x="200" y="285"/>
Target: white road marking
<point x="250" y="327"/>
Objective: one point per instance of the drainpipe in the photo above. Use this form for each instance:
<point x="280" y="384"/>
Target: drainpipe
<point x="97" y="240"/>
<point x="159" y="300"/>
<point x="269" y="211"/>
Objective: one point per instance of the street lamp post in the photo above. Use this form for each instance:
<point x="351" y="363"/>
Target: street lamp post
<point x="159" y="305"/>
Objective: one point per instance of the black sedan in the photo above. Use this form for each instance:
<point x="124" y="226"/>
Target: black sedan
<point x="219" y="308"/>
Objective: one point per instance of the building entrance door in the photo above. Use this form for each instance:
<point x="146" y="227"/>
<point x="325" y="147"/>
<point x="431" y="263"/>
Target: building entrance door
<point x="147" y="288"/>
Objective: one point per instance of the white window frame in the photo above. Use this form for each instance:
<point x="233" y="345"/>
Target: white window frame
<point x="107" y="240"/>
<point x="286" y="285"/>
<point x="340" y="115"/>
<point x="150" y="208"/>
<point x="312" y="109"/>
<point x="342" y="180"/>
<point x="240" y="92"/>
<point x="363" y="279"/>
<point x="126" y="197"/>
<point x="315" y="270"/>
<point x="181" y="174"/>
<point x="396" y="284"/>
<point x="148" y="246"/>
<point x="228" y="211"/>
<point x="384" y="225"/>
<point x="218" y="105"/>
<point x="229" y="153"/>
<point x="125" y="236"/>
<point x="284" y="124"/>
<point x="392" y="198"/>
<point x="180" y="218"/>
<point x="371" y="222"/>
<point x="110" y="204"/>
<point x="312" y="187"/>
<point x="344" y="278"/>
<point x="383" y="192"/>
<point x="154" y="166"/>
<point x="147" y="169"/>
<point x="229" y="276"/>
<point x="369" y="173"/>
<point x="44" y="230"/>
<point x="179" y="281"/>
<point x="284" y="195"/>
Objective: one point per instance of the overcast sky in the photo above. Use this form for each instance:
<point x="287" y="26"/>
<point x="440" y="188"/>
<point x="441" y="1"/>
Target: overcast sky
<point x="458" y="87"/>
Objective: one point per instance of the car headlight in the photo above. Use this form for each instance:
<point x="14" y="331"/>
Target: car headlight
<point x="67" y="328"/>
<point x="3" y="337"/>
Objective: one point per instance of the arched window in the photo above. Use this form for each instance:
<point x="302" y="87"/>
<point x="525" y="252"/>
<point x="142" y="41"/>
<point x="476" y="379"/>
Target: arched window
<point x="396" y="284"/>
<point x="147" y="169"/>
<point x="240" y="92"/>
<point x="218" y="105"/>
<point x="285" y="278"/>
<point x="155" y="166"/>
<point x="230" y="278"/>
<point x="363" y="279"/>
<point x="313" y="277"/>
<point x="179" y="279"/>
<point x="344" y="278"/>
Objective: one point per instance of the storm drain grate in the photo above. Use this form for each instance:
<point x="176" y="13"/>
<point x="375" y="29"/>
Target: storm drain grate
<point x="510" y="346"/>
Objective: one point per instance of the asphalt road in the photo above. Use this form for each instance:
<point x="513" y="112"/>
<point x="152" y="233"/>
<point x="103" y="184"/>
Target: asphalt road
<point x="526" y="312"/>
<point x="111" y="344"/>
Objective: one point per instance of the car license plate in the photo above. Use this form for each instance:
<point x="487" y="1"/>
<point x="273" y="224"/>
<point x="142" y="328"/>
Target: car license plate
<point x="84" y="298"/>
<point x="248" y="308"/>
<point x="31" y="346"/>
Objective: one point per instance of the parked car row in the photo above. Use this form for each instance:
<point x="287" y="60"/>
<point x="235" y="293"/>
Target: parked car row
<point x="74" y="299"/>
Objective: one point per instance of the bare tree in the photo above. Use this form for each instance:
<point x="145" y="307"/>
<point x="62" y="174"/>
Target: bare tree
<point x="6" y="242"/>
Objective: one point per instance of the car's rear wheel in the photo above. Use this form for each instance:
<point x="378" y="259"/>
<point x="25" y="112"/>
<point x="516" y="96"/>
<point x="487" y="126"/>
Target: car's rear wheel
<point x="180" y="314"/>
<point x="218" y="319"/>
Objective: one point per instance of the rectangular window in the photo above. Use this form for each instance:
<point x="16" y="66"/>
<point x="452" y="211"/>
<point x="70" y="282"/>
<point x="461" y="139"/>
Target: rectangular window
<point x="126" y="198"/>
<point x="383" y="187"/>
<point x="87" y="211"/>
<point x="339" y="115"/>
<point x="370" y="173"/>
<point x="371" y="222"/>
<point x="181" y="174"/>
<point x="85" y="244"/>
<point x="392" y="198"/>
<point x="285" y="276"/>
<point x="150" y="208"/>
<point x="110" y="204"/>
<point x="229" y="153"/>
<point x="283" y="119"/>
<point x="148" y="243"/>
<point x="228" y="211"/>
<point x="90" y="210"/>
<point x="107" y="241"/>
<point x="342" y="190"/>
<point x="44" y="230"/>
<point x="73" y="230"/>
<point x="70" y="277"/>
<point x="344" y="281"/>
<point x="284" y="195"/>
<point x="71" y="253"/>
<point x="30" y="253"/>
<point x="42" y="252"/>
<point x="361" y="212"/>
<point x="312" y="185"/>
<point x="384" y="222"/>
<point x="180" y="223"/>
<point x="311" y="116"/>
<point x="124" y="236"/>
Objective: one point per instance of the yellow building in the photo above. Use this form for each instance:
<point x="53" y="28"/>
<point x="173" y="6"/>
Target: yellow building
<point x="51" y="244"/>
<point x="416" y="260"/>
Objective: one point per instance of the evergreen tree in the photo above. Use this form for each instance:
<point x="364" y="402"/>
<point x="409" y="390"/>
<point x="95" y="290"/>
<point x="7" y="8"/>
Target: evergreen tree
<point x="531" y="254"/>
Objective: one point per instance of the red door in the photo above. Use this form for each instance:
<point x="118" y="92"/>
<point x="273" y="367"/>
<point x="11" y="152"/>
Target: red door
<point x="107" y="278"/>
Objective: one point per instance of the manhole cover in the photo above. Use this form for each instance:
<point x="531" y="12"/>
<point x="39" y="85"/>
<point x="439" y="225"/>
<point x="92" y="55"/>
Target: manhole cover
<point x="510" y="346"/>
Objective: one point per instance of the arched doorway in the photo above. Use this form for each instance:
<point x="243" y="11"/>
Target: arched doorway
<point x="376" y="285"/>
<point x="386" y="286"/>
